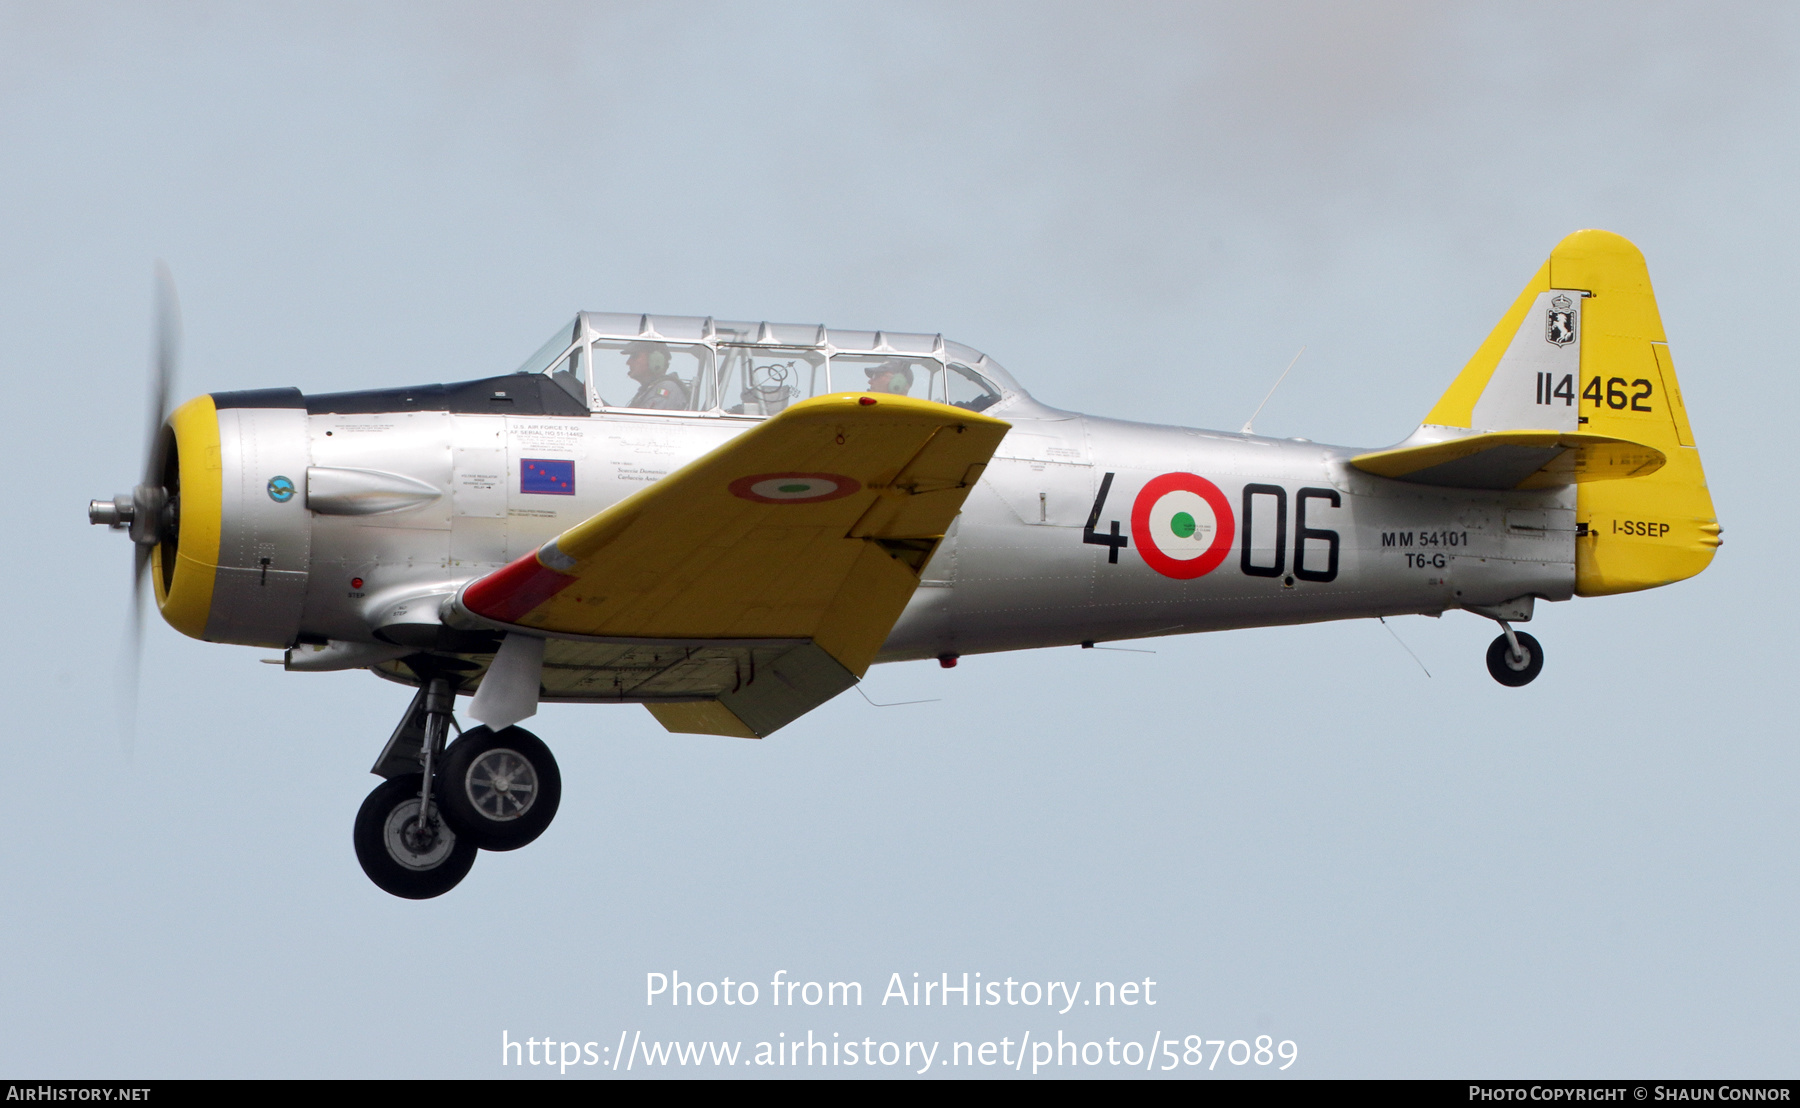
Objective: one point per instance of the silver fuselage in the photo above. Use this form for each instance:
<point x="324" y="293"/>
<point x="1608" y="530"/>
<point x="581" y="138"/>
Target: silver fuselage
<point x="1020" y="568"/>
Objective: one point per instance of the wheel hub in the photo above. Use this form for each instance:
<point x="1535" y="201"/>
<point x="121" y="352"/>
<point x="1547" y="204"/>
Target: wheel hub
<point x="502" y="785"/>
<point x="413" y="846"/>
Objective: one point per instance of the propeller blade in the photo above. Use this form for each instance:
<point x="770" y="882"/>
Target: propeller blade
<point x="134" y="647"/>
<point x="163" y="364"/>
<point x="150" y="497"/>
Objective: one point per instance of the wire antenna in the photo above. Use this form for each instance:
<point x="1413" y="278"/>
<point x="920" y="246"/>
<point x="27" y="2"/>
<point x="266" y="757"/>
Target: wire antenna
<point x="1402" y="643"/>
<point x="897" y="703"/>
<point x="1272" y="388"/>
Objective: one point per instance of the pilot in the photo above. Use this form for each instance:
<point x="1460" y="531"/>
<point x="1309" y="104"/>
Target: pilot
<point x="892" y="377"/>
<point x="647" y="363"/>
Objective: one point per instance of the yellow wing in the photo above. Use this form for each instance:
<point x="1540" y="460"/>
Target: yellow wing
<point x="801" y="540"/>
<point x="1515" y="460"/>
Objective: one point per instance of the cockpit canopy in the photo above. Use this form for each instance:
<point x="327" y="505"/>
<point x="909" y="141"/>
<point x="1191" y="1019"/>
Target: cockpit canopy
<point x="689" y="364"/>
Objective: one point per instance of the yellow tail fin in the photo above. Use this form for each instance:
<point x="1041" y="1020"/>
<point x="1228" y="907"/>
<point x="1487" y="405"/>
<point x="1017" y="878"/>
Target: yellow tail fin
<point x="1583" y="349"/>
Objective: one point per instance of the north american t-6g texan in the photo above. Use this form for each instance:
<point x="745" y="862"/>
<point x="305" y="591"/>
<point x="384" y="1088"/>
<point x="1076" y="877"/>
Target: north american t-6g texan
<point x="729" y="523"/>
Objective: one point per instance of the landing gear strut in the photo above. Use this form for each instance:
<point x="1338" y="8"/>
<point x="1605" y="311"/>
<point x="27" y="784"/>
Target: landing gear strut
<point x="417" y="834"/>
<point x="1514" y="658"/>
<point x="402" y="840"/>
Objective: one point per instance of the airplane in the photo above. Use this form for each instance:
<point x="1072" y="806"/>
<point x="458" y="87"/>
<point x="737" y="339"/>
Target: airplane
<point x="730" y="522"/>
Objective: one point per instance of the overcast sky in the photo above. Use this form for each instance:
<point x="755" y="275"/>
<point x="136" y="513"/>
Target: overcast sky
<point x="1142" y="211"/>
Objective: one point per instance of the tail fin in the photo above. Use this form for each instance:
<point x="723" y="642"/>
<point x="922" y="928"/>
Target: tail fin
<point x="1582" y="349"/>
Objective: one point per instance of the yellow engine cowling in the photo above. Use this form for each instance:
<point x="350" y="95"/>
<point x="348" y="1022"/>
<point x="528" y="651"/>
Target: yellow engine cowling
<point x="236" y="568"/>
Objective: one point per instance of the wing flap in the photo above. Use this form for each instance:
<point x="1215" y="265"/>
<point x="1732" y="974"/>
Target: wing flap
<point x="1498" y="460"/>
<point x="797" y="682"/>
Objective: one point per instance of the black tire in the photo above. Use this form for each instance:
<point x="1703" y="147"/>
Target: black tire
<point x="1504" y="668"/>
<point x="388" y="846"/>
<point x="500" y="788"/>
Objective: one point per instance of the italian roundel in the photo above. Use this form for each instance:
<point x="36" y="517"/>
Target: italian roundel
<point x="1183" y="525"/>
<point x="794" y="488"/>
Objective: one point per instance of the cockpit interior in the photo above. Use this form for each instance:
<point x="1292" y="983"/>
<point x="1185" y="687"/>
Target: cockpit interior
<point x="615" y="362"/>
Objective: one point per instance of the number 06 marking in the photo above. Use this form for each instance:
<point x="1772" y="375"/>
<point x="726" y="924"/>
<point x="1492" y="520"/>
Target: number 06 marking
<point x="1183" y="525"/>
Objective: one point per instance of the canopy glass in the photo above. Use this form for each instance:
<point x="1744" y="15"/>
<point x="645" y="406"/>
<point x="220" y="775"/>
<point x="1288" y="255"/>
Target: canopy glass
<point x="719" y="367"/>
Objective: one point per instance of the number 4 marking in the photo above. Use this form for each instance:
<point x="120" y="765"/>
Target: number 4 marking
<point x="1114" y="541"/>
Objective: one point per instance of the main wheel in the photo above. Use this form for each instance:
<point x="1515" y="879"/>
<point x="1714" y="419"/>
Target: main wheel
<point x="1509" y="670"/>
<point x="500" y="788"/>
<point x="401" y="857"/>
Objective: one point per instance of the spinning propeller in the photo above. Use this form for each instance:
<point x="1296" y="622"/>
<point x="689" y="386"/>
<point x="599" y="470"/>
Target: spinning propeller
<point x="149" y="513"/>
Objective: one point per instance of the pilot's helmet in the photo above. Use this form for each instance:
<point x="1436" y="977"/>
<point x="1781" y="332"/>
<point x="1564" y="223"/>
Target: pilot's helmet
<point x="658" y="355"/>
<point x="900" y="382"/>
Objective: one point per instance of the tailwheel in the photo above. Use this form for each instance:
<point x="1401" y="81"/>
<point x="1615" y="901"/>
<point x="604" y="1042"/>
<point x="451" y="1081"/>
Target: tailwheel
<point x="499" y="789"/>
<point x="1515" y="658"/>
<point x="401" y="855"/>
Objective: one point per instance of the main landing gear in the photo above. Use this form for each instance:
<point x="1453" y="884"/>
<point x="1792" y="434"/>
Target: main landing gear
<point x="499" y="788"/>
<point x="1514" y="658"/>
<point x="404" y="847"/>
<point x="417" y="834"/>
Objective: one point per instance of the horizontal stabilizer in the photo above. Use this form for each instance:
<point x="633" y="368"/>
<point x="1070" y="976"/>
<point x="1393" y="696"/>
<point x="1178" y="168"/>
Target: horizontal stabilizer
<point x="1514" y="460"/>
